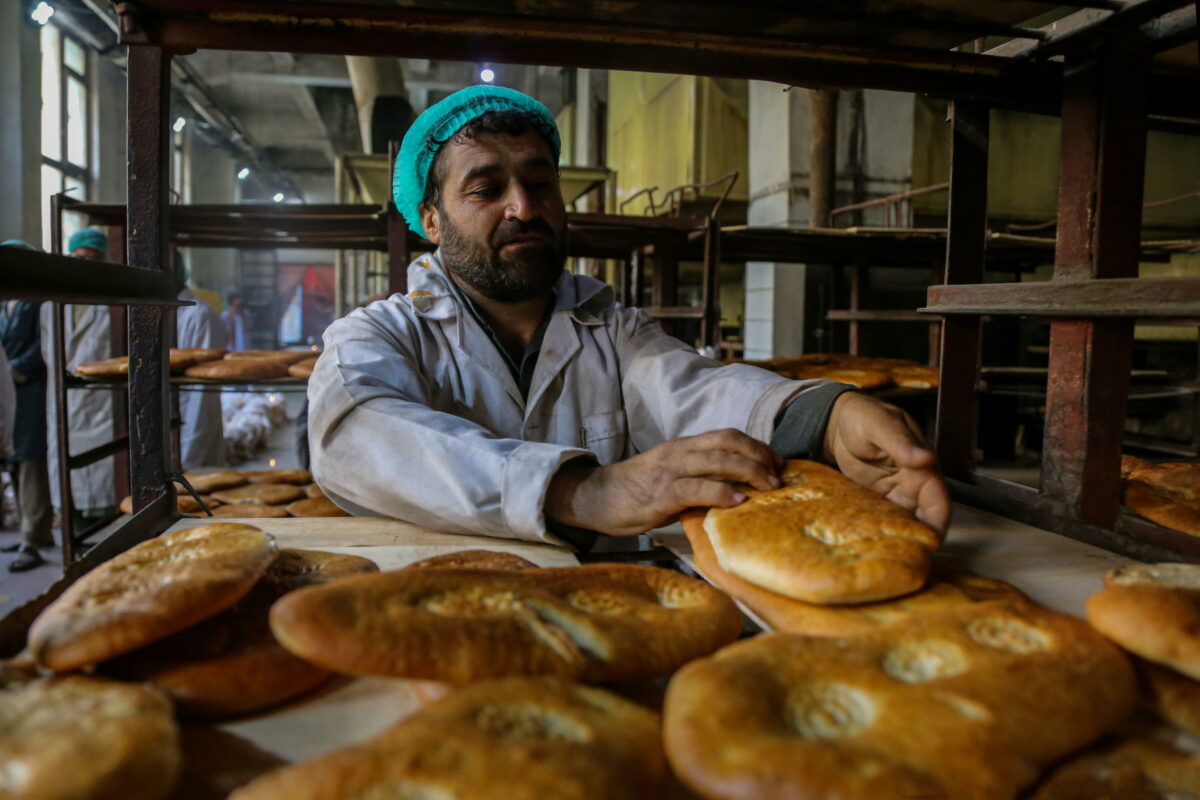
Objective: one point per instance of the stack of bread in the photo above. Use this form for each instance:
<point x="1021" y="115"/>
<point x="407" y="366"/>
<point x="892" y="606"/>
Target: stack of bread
<point x="862" y="372"/>
<point x="1167" y="493"/>
<point x="181" y="359"/>
<point x="253" y="494"/>
<point x="245" y="365"/>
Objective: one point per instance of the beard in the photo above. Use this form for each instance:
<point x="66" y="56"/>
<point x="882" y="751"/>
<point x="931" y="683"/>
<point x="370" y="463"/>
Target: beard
<point x="530" y="272"/>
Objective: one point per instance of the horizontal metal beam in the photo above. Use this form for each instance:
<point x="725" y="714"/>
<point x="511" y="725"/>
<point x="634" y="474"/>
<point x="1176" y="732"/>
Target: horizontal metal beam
<point x="1116" y="298"/>
<point x="1133" y="15"/>
<point x="513" y="36"/>
<point x="30" y="275"/>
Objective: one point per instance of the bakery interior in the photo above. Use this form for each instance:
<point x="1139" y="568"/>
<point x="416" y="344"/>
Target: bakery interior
<point x="986" y="214"/>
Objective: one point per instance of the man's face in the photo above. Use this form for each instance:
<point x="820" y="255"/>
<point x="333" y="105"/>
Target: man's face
<point x="91" y="254"/>
<point x="500" y="222"/>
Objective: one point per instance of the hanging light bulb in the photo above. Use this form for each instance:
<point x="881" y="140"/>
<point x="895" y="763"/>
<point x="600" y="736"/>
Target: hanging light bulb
<point x="243" y="173"/>
<point x="278" y="198"/>
<point x="487" y="75"/>
<point x="180" y="124"/>
<point x="42" y="14"/>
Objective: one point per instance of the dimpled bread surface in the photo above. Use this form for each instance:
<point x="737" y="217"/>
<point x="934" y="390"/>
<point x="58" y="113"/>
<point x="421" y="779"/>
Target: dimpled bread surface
<point x="150" y="591"/>
<point x="516" y="739"/>
<point x="599" y="622"/>
<point x="81" y="738"/>
<point x="822" y="538"/>
<point x="969" y="703"/>
<point x="231" y="663"/>
<point x="946" y="588"/>
<point x="1152" y="610"/>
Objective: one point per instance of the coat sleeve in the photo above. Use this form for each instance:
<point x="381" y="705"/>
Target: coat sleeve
<point x="379" y="447"/>
<point x="671" y="390"/>
<point x="25" y="354"/>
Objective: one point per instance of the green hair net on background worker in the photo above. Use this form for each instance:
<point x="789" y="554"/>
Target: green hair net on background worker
<point x="437" y="124"/>
<point x="90" y="238"/>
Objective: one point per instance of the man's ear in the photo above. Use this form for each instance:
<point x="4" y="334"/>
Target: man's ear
<point x="431" y="221"/>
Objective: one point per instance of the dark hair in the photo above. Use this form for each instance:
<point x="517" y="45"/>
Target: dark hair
<point x="509" y="122"/>
<point x="233" y="296"/>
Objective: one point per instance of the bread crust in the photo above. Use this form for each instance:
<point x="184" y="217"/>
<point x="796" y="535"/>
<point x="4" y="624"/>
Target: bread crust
<point x="517" y="739"/>
<point x="82" y="738"/>
<point x="972" y="702"/>
<point x="249" y="511"/>
<point x="296" y="476"/>
<point x="1138" y="768"/>
<point x="240" y="369"/>
<point x="598" y="622"/>
<point x="858" y="378"/>
<point x="271" y="494"/>
<point x="315" y="507"/>
<point x="303" y="369"/>
<point x="474" y="559"/>
<point x="150" y="591"/>
<point x="822" y="539"/>
<point x="209" y="482"/>
<point x="1172" y="697"/>
<point x="109" y="367"/>
<point x="1156" y="621"/>
<point x="286" y="356"/>
<point x="945" y="589"/>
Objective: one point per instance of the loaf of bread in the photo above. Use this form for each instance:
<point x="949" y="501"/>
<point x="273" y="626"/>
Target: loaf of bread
<point x="249" y="511"/>
<point x="108" y="368"/>
<point x="82" y="738"/>
<point x="270" y="494"/>
<point x="1159" y="504"/>
<point x="600" y="622"/>
<point x="916" y="377"/>
<point x="858" y="378"/>
<point x="209" y="482"/>
<point x="822" y="539"/>
<point x="946" y="588"/>
<point x="286" y="356"/>
<point x="516" y="739"/>
<point x="297" y="476"/>
<point x="150" y="591"/>
<point x="315" y="507"/>
<point x="1152" y="610"/>
<point x="1137" y="768"/>
<point x="187" y="504"/>
<point x="240" y="369"/>
<point x="972" y="702"/>
<point x="303" y="369"/>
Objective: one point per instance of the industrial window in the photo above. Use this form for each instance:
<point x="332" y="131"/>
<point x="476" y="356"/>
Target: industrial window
<point x="66" y="146"/>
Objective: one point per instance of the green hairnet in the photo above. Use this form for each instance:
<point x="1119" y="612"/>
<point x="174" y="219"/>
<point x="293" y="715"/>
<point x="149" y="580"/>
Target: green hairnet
<point x="88" y="237"/>
<point x="18" y="243"/>
<point x="434" y="128"/>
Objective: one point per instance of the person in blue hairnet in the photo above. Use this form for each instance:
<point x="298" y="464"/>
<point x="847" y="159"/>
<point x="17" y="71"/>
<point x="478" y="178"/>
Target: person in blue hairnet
<point x="87" y="336"/>
<point x="505" y="396"/>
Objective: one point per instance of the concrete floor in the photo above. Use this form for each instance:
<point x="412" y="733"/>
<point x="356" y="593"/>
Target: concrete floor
<point x="17" y="588"/>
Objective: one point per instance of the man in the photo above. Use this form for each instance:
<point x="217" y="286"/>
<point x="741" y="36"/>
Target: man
<point x="234" y="318"/>
<point x="21" y="339"/>
<point x="87" y="336"/>
<point x="505" y="396"/>
<point x="201" y="435"/>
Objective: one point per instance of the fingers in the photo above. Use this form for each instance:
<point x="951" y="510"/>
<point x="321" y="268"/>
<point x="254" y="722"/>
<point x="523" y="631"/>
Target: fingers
<point x="688" y="492"/>
<point x="933" y="505"/>
<point x="734" y="441"/>
<point x="726" y="466"/>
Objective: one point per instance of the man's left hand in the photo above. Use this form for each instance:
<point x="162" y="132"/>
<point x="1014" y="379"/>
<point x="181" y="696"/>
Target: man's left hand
<point x="879" y="446"/>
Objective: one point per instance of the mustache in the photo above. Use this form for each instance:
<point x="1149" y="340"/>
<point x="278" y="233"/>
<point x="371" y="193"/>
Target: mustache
<point x="513" y="229"/>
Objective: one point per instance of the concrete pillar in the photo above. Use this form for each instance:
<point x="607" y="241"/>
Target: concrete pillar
<point x="20" y="125"/>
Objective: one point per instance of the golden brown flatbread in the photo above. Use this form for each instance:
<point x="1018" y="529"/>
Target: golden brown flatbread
<point x="598" y="622"/>
<point x="315" y="507"/>
<point x="240" y="369"/>
<point x="298" y="476"/>
<point x="303" y="369"/>
<point x="916" y="377"/>
<point x="475" y="559"/>
<point x="249" y="511"/>
<point x="1179" y="479"/>
<point x="150" y="591"/>
<point x="517" y="739"/>
<point x="969" y="703"/>
<point x="1162" y="507"/>
<point x="1152" y="610"/>
<point x="946" y="588"/>
<point x="1174" y="698"/>
<point x="230" y="663"/>
<point x="80" y="738"/>
<point x="286" y="356"/>
<point x="210" y="482"/>
<point x="108" y="368"/>
<point x="1131" y="464"/>
<point x="313" y="490"/>
<point x="271" y="494"/>
<point x="858" y="378"/>
<point x="1138" y="768"/>
<point x="883" y="364"/>
<point x="822" y="539"/>
<point x="200" y="355"/>
<point x="187" y="504"/>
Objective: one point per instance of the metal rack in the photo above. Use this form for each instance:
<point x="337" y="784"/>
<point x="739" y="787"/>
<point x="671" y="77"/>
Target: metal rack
<point x="897" y="46"/>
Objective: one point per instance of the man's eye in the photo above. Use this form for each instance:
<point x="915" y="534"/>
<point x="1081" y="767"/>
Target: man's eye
<point x="487" y="191"/>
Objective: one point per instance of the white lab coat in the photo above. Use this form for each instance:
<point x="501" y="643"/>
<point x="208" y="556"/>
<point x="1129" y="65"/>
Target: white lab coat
<point x="201" y="437"/>
<point x="414" y="414"/>
<point x="8" y="406"/>
<point x="90" y="411"/>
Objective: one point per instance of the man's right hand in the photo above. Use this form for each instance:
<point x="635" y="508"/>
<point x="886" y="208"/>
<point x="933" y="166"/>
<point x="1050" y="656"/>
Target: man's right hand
<point x="649" y="490"/>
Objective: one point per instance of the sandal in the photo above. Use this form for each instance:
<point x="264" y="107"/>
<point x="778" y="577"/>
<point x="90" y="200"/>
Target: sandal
<point x="27" y="558"/>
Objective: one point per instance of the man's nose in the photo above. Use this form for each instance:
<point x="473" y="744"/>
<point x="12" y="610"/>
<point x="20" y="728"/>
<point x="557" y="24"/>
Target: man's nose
<point x="517" y="204"/>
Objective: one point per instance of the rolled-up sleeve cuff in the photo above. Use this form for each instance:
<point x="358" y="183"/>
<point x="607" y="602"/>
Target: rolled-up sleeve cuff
<point x="801" y="430"/>
<point x="527" y="474"/>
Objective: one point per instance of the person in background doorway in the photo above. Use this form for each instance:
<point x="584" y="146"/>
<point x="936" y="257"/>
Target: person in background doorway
<point x="201" y="437"/>
<point x="87" y="336"/>
<point x="234" y="317"/>
<point x="20" y="338"/>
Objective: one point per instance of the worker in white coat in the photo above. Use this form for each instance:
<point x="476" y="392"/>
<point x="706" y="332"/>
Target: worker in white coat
<point x="87" y="336"/>
<point x="201" y="438"/>
<point x="505" y="396"/>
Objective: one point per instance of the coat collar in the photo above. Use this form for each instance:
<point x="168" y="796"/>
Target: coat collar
<point x="584" y="299"/>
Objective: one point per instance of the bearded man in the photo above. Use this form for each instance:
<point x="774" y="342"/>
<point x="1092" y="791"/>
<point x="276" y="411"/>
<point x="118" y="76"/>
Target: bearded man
<point x="505" y="396"/>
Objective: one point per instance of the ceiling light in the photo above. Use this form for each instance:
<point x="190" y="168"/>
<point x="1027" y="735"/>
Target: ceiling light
<point x="243" y="173"/>
<point x="487" y="75"/>
<point x="278" y="198"/>
<point x="179" y="125"/>
<point x="42" y="14"/>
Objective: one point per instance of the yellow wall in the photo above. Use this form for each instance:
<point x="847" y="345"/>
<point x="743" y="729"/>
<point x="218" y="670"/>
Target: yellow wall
<point x="668" y="130"/>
